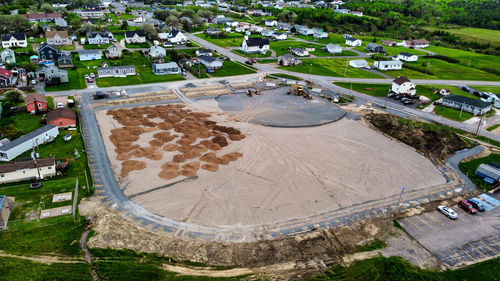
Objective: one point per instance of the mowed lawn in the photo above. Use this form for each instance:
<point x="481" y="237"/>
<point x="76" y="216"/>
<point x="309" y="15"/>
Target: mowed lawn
<point x="232" y="39"/>
<point x="394" y="51"/>
<point x="330" y="67"/>
<point x="76" y="81"/>
<point x="493" y="89"/>
<point x="480" y="35"/>
<point x="282" y="47"/>
<point x="474" y="60"/>
<point x="444" y="70"/>
<point x="453" y="114"/>
<point x="231" y="68"/>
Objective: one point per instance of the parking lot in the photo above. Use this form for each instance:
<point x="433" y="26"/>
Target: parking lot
<point x="466" y="240"/>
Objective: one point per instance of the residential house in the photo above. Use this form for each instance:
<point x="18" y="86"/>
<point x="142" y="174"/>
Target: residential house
<point x="388" y="65"/>
<point x="98" y="37"/>
<point x="255" y="45"/>
<point x="61" y="22"/>
<point x="35" y="103"/>
<point x="256" y="29"/>
<point x="113" y="52"/>
<point x="212" y="31"/>
<point x="135" y="37"/>
<point x="474" y="106"/>
<point x="444" y="92"/>
<point x="7" y="56"/>
<point x="6" y="77"/>
<point x="358" y="63"/>
<point x="86" y="55"/>
<point x="288" y="60"/>
<point x="163" y="36"/>
<point x="356" y="13"/>
<point x="374" y="48"/>
<point x="267" y="33"/>
<point x="14" y="40"/>
<point x="4" y="207"/>
<point x="65" y="61"/>
<point x="403" y="86"/>
<point x="90" y="13"/>
<point x="166" y="68"/>
<point x="242" y="27"/>
<point x="389" y="43"/>
<point x="116" y="71"/>
<point x="26" y="142"/>
<point x="271" y="23"/>
<point x="157" y="52"/>
<point x="176" y="37"/>
<point x="58" y="38"/>
<point x="417" y="43"/>
<point x="185" y="61"/>
<point x="222" y="20"/>
<point x="26" y="170"/>
<point x="42" y="17"/>
<point x="283" y="26"/>
<point x="304" y="30"/>
<point x="210" y="62"/>
<point x="320" y="34"/>
<point x="407" y="57"/>
<point x="52" y="74"/>
<point x="139" y="19"/>
<point x="48" y="52"/>
<point x="341" y="11"/>
<point x="203" y="52"/>
<point x="299" y="52"/>
<point x="353" y="42"/>
<point x="279" y="36"/>
<point x="62" y="117"/>
<point x="333" y="48"/>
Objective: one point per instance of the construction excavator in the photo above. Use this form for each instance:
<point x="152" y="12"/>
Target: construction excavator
<point x="298" y="90"/>
<point x="251" y="92"/>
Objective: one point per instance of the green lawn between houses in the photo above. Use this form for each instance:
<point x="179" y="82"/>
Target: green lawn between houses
<point x="231" y="68"/>
<point x="330" y="67"/>
<point x="451" y="113"/>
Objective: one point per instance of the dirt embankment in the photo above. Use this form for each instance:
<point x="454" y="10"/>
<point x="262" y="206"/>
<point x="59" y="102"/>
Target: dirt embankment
<point x="428" y="140"/>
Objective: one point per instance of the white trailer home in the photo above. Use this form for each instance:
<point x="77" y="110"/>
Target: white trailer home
<point x="12" y="149"/>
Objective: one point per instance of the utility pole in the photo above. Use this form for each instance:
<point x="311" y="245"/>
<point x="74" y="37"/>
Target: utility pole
<point x="470" y="57"/>
<point x="461" y="109"/>
<point x="399" y="200"/>
<point x="310" y="65"/>
<point x="427" y="68"/>
<point x="479" y="125"/>
<point x="34" y="159"/>
<point x="345" y="71"/>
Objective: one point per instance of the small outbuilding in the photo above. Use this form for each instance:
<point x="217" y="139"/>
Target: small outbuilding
<point x="62" y="117"/>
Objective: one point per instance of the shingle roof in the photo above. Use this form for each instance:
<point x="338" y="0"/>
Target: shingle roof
<point x="27" y="137"/>
<point x="467" y="100"/>
<point x="207" y="58"/>
<point x="89" y="52"/>
<point x="30" y="164"/>
<point x="400" y="80"/>
<point x="18" y="36"/>
<point x="51" y="34"/>
<point x="351" y="39"/>
<point x="93" y="34"/>
<point x="61" y="112"/>
<point x="406" y="54"/>
<point x="6" y="73"/>
<point x="129" y="34"/>
<point x="257" y="41"/>
<point x="34" y="97"/>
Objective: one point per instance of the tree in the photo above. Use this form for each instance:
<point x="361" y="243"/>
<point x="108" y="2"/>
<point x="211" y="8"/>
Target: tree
<point x="84" y="28"/>
<point x="150" y="31"/>
<point x="13" y="23"/>
<point x="46" y="7"/>
<point x="172" y="21"/>
<point x="30" y="67"/>
<point x="124" y="25"/>
<point x="205" y="14"/>
<point x="15" y="96"/>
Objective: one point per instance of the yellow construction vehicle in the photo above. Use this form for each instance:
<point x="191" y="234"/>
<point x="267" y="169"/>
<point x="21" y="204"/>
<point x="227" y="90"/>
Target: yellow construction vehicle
<point x="249" y="93"/>
<point x="296" y="90"/>
<point x="257" y="92"/>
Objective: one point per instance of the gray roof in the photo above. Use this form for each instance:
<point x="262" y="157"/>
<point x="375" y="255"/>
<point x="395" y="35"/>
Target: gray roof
<point x="166" y="65"/>
<point x="351" y="39"/>
<point x="117" y="67"/>
<point x="372" y="45"/>
<point x="29" y="136"/>
<point x="467" y="101"/>
<point x="406" y="54"/>
<point x="89" y="52"/>
<point x="207" y="58"/>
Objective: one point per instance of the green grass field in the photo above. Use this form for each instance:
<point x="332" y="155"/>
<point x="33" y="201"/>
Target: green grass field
<point x="137" y="46"/>
<point x="231" y="68"/>
<point x="480" y="35"/>
<point x="251" y="55"/>
<point x="394" y="51"/>
<point x="232" y="39"/>
<point x="330" y="67"/>
<point x="95" y="46"/>
<point x="23" y="121"/>
<point x="451" y="113"/>
<point x="12" y="269"/>
<point x="76" y="79"/>
<point x="470" y="59"/>
<point x="469" y="169"/>
<point x="493" y="89"/>
<point x="281" y="47"/>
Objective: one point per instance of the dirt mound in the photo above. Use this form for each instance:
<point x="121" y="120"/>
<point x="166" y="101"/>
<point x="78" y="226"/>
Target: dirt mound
<point x="194" y="135"/>
<point x="212" y="167"/>
<point x="131" y="165"/>
<point x="428" y="139"/>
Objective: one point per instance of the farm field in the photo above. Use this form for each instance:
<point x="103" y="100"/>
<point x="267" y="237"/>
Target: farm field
<point x="330" y="67"/>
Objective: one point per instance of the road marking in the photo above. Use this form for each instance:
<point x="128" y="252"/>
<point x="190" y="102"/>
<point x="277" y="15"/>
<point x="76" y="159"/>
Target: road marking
<point x="418" y="217"/>
<point x="432" y="218"/>
<point x="412" y="223"/>
<point x="455" y="256"/>
<point x="482" y="254"/>
<point x="467" y="253"/>
<point x="486" y="245"/>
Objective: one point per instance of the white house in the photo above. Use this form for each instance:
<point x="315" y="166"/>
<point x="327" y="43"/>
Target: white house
<point x="203" y="52"/>
<point x="304" y="30"/>
<point x="27" y="170"/>
<point x="417" y="43"/>
<point x="210" y="61"/>
<point x="271" y="23"/>
<point x="12" y="149"/>
<point x="135" y="37"/>
<point x="358" y="63"/>
<point x="166" y="68"/>
<point x="163" y="36"/>
<point x="97" y="37"/>
<point x="157" y="52"/>
<point x="320" y="34"/>
<point x="255" y="45"/>
<point x="86" y="55"/>
<point x="353" y="42"/>
<point x="116" y="71"/>
<point x="299" y="52"/>
<point x="176" y="37"/>
<point x="333" y="48"/>
<point x="402" y="85"/>
<point x="388" y="65"/>
<point x="267" y="33"/>
<point x="279" y="36"/>
<point x="407" y="57"/>
<point x="14" y="40"/>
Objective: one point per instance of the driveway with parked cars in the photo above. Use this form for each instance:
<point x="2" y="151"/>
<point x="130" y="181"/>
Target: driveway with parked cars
<point x="465" y="240"/>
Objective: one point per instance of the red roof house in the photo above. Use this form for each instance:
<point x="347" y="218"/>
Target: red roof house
<point x="35" y="103"/>
<point x="5" y="77"/>
<point x="62" y="117"/>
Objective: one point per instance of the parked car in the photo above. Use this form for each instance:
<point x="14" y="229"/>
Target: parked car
<point x="447" y="211"/>
<point x="90" y="80"/>
<point x="87" y="76"/>
<point x="407" y="101"/>
<point x="467" y="207"/>
<point x="60" y="105"/>
<point x="465" y="88"/>
<point x="36" y="185"/>
<point x="67" y="137"/>
<point x="477" y="204"/>
<point x="33" y="82"/>
<point x="391" y="95"/>
<point x="249" y="62"/>
<point x="398" y="97"/>
<point x="92" y="75"/>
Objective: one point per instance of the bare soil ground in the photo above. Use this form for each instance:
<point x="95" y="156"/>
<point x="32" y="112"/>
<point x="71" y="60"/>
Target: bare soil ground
<point x="283" y="173"/>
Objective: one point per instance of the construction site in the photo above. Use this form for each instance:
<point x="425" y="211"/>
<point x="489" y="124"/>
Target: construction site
<point x="250" y="163"/>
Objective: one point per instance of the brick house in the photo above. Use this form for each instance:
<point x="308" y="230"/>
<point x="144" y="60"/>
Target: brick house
<point x="35" y="103"/>
<point x="62" y="117"/>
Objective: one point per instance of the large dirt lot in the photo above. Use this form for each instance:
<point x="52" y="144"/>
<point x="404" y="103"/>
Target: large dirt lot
<point x="276" y="174"/>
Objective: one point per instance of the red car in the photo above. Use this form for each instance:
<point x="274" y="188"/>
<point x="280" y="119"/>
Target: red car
<point x="467" y="207"/>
